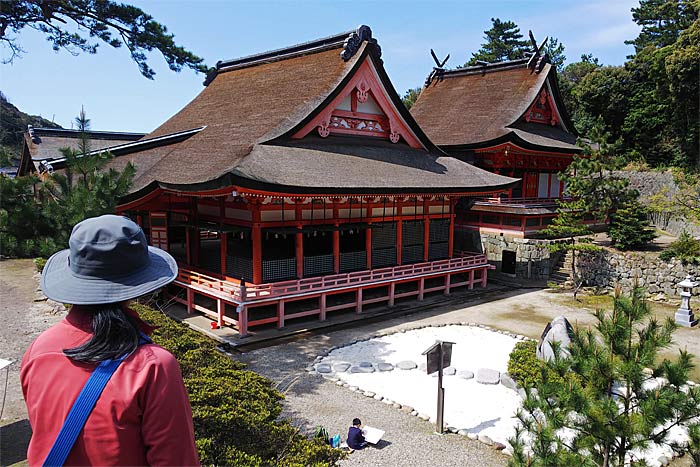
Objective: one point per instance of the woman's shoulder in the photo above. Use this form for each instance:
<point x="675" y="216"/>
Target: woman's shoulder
<point x="153" y="355"/>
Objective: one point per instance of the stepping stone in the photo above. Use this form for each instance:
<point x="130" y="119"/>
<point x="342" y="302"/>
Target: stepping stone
<point x="508" y="382"/>
<point x="488" y="376"/>
<point x="422" y="367"/>
<point x="449" y="371"/>
<point x="324" y="368"/>
<point x="341" y="367"/>
<point x="361" y="369"/>
<point x="385" y="366"/>
<point x="365" y="364"/>
<point x="406" y="365"/>
<point x="466" y="374"/>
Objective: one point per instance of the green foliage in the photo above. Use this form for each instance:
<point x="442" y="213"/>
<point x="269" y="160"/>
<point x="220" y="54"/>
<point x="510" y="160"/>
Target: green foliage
<point x="629" y="227"/>
<point x="38" y="214"/>
<point x="13" y="124"/>
<point x="662" y="21"/>
<point x="555" y="52"/>
<point x="410" y="97"/>
<point x="685" y="248"/>
<point x="523" y="365"/>
<point x="503" y="42"/>
<point x="74" y="25"/>
<point x="235" y="411"/>
<point x="40" y="262"/>
<point x="610" y="408"/>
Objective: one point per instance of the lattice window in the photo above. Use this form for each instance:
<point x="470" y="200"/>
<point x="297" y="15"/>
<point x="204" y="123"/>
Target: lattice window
<point x="439" y="230"/>
<point x="384" y="235"/>
<point x="353" y="261"/>
<point x="438" y="251"/>
<point x="383" y="257"/>
<point x="239" y="267"/>
<point x="279" y="269"/>
<point x="318" y="265"/>
<point x="412" y="237"/>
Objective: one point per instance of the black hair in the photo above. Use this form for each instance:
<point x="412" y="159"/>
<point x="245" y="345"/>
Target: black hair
<point x="114" y="333"/>
<point x="356" y="421"/>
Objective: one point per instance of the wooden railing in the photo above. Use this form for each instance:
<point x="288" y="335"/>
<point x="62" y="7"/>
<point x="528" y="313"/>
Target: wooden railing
<point x="519" y="201"/>
<point x="233" y="291"/>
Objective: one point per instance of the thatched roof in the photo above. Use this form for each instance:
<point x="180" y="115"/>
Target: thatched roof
<point x="251" y="108"/>
<point x="483" y="105"/>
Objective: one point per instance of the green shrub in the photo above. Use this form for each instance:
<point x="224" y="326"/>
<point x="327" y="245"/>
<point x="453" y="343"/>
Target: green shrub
<point x="523" y="365"/>
<point x="235" y="411"/>
<point x="629" y="227"/>
<point x="40" y="262"/>
<point x="686" y="249"/>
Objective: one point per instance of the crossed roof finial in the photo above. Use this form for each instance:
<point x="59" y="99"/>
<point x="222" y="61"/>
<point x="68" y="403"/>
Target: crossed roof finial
<point x="438" y="70"/>
<point x="539" y="55"/>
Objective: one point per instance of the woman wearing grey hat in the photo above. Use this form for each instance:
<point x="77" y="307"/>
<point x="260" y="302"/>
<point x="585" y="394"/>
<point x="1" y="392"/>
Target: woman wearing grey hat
<point x="98" y="392"/>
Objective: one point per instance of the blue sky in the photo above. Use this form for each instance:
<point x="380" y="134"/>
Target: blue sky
<point x="116" y="97"/>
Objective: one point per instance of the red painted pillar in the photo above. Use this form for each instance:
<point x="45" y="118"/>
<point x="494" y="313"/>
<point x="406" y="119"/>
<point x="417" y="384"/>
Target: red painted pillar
<point x="220" y="308"/>
<point x="299" y="248"/>
<point x="451" y="232"/>
<point x="426" y="237"/>
<point x="242" y="320"/>
<point x="280" y="314"/>
<point x="399" y="241"/>
<point x="336" y="250"/>
<point x="223" y="236"/>
<point x="368" y="247"/>
<point x="257" y="254"/>
<point x="322" y="307"/>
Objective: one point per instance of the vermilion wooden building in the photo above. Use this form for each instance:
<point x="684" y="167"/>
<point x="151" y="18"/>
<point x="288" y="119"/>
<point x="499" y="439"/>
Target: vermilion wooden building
<point x="297" y="184"/>
<point x="508" y="118"/>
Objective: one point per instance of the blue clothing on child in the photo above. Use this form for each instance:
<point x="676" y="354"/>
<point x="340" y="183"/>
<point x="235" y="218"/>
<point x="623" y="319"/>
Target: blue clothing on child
<point x="356" y="439"/>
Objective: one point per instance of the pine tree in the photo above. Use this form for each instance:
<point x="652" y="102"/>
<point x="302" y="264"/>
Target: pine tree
<point x="629" y="226"/>
<point x="410" y="97"/>
<point x="612" y="405"/>
<point x="503" y="42"/>
<point x="555" y="52"/>
<point x="662" y="21"/>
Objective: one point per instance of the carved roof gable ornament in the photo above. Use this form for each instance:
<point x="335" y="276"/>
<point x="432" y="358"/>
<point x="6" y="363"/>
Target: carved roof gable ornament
<point x="539" y="56"/>
<point x="438" y="70"/>
<point x="354" y="41"/>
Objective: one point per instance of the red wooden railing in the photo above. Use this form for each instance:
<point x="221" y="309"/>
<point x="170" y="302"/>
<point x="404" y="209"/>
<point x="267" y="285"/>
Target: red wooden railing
<point x="520" y="201"/>
<point x="232" y="290"/>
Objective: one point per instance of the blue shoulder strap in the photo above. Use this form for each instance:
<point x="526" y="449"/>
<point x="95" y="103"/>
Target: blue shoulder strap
<point x="82" y="407"/>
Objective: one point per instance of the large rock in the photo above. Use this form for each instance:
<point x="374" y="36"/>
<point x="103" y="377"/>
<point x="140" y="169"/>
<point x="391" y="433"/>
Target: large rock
<point x="488" y="376"/>
<point x="558" y="330"/>
<point x="508" y="382"/>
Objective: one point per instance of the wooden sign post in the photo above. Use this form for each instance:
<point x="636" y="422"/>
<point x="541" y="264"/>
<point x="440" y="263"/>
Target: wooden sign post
<point x="439" y="356"/>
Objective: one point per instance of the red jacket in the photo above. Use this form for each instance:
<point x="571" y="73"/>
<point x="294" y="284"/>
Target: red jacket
<point x="143" y="417"/>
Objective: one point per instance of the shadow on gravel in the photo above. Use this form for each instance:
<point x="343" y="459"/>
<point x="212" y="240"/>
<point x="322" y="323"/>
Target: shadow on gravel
<point x="14" y="440"/>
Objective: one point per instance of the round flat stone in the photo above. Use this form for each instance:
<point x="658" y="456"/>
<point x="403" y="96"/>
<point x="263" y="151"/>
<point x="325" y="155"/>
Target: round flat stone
<point x="488" y="376"/>
<point x="361" y="369"/>
<point x="365" y="364"/>
<point x="341" y="367"/>
<point x="385" y="366"/>
<point x="422" y="367"/>
<point x="324" y="368"/>
<point x="466" y="374"/>
<point x="449" y="371"/>
<point x="406" y="365"/>
<point x="508" y="382"/>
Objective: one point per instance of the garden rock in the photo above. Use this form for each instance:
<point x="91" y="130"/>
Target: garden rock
<point x="486" y="440"/>
<point x="508" y="382"/>
<point x="466" y="374"/>
<point x="558" y="330"/>
<point x="406" y="365"/>
<point x="385" y="366"/>
<point x="361" y="369"/>
<point x="365" y="364"/>
<point x="450" y="370"/>
<point x="488" y="376"/>
<point x="341" y="367"/>
<point x="324" y="368"/>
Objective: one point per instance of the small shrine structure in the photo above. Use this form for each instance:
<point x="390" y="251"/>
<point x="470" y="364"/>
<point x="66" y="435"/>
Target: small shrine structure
<point x="296" y="185"/>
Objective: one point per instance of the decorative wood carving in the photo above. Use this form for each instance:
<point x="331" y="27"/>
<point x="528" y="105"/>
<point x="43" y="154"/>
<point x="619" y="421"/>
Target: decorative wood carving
<point x="542" y="110"/>
<point x="354" y="41"/>
<point x="388" y="124"/>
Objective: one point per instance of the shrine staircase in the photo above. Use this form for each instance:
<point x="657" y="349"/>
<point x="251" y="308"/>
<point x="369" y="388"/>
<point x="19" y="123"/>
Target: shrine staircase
<point x="561" y="272"/>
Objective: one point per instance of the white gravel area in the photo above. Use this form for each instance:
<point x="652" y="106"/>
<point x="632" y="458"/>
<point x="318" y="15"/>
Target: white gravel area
<point x="481" y="409"/>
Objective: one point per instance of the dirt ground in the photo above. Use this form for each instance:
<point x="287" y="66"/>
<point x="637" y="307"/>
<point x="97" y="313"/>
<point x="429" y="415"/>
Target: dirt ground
<point x="22" y="320"/>
<point x="521" y="311"/>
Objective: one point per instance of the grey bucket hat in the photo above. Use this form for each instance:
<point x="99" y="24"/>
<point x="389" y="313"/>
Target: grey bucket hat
<point x="108" y="261"/>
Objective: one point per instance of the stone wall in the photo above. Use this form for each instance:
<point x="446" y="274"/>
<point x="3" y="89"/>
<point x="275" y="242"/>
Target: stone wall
<point x="652" y="183"/>
<point x="609" y="268"/>
<point x="533" y="260"/>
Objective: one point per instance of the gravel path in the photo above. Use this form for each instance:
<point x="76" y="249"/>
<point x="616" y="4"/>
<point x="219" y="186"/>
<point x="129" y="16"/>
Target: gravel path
<point x="22" y="320"/>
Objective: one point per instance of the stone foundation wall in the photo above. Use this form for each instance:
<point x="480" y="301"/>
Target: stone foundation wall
<point x="533" y="260"/>
<point x="609" y="268"/>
